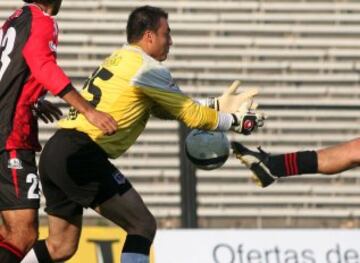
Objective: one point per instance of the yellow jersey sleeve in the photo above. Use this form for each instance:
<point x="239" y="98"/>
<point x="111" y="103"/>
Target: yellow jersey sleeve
<point x="156" y="82"/>
<point x="160" y="113"/>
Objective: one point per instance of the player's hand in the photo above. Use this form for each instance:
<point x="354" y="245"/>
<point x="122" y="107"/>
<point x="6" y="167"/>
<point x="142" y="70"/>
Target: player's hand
<point x="230" y="101"/>
<point x="247" y="119"/>
<point x="47" y="111"/>
<point x="104" y="121"/>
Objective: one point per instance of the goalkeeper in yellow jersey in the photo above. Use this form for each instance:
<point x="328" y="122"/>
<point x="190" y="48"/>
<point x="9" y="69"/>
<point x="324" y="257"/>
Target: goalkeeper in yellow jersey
<point x="130" y="85"/>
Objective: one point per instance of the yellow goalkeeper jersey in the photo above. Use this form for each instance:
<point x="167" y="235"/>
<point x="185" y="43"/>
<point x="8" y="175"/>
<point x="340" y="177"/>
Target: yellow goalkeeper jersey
<point x="130" y="86"/>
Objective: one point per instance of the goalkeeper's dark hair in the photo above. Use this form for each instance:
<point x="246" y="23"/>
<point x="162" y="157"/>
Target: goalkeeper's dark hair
<point x="141" y="19"/>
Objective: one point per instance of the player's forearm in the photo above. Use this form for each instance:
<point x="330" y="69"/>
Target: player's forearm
<point x="73" y="98"/>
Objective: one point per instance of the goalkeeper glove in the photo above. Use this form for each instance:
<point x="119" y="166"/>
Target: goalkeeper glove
<point x="246" y="119"/>
<point x="230" y="101"/>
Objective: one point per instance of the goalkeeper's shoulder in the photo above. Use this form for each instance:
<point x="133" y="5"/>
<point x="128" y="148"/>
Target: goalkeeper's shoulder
<point x="155" y="75"/>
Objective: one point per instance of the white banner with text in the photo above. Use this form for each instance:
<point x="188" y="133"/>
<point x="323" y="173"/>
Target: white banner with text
<point x="257" y="246"/>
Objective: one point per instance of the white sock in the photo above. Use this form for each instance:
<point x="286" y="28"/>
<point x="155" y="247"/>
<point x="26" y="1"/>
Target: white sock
<point x="134" y="258"/>
<point x="30" y="257"/>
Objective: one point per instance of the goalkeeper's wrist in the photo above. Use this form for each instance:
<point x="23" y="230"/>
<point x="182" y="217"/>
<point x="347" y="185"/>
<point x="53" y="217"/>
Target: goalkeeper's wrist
<point x="225" y="121"/>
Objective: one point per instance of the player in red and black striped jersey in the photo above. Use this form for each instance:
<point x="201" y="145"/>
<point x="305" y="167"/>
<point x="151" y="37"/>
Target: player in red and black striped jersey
<point x="28" y="69"/>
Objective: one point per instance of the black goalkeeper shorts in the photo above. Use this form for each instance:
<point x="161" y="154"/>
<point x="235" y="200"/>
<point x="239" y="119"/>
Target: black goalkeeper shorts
<point x="75" y="173"/>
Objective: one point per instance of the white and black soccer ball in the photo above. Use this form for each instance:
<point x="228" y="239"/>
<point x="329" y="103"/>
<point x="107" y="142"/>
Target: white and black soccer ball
<point x="207" y="150"/>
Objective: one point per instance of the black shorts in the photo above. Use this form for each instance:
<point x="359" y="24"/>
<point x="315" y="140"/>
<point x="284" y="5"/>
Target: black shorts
<point x="75" y="173"/>
<point x="19" y="182"/>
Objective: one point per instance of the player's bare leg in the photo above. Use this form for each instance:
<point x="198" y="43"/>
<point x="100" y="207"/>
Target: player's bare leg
<point x="129" y="212"/>
<point x="64" y="236"/>
<point x="339" y="158"/>
<point x="20" y="233"/>
<point x="267" y="168"/>
<point x="61" y="244"/>
<point x="126" y="210"/>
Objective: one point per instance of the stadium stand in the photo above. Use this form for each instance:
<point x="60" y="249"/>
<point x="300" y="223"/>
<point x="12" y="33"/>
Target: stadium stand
<point x="302" y="55"/>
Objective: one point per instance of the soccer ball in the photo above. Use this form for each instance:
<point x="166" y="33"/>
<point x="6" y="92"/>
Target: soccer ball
<point x="207" y="150"/>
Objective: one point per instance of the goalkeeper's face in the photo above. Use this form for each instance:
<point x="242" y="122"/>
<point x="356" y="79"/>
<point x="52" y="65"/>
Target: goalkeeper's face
<point x="161" y="41"/>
